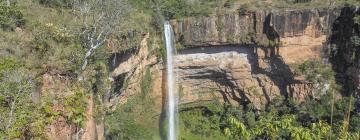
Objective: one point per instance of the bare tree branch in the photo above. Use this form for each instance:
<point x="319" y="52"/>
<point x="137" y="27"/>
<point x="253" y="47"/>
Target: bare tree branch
<point x="100" y="19"/>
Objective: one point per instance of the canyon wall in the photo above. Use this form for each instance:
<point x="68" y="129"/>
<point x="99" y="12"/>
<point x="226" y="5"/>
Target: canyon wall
<point x="226" y="74"/>
<point x="291" y="31"/>
<point x="246" y="57"/>
<point x="128" y="74"/>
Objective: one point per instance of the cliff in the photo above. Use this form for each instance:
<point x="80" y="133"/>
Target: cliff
<point x="291" y="31"/>
<point x="256" y="68"/>
<point x="246" y="57"/>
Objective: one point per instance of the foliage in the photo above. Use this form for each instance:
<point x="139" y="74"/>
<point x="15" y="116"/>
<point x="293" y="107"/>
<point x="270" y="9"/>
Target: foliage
<point x="44" y="34"/>
<point x="121" y="127"/>
<point x="274" y="127"/>
<point x="289" y="120"/>
<point x="355" y="40"/>
<point x="134" y="119"/>
<point x="61" y="57"/>
<point x="75" y="106"/>
<point x="202" y="122"/>
<point x="315" y="71"/>
<point x="146" y="83"/>
<point x="10" y="17"/>
<point x="59" y="34"/>
<point x="182" y="8"/>
<point x="320" y="109"/>
<point x="174" y="9"/>
<point x="283" y="127"/>
<point x="24" y="118"/>
<point x="7" y="64"/>
<point x="160" y="48"/>
<point x="56" y="47"/>
<point x="194" y="122"/>
<point x="56" y="3"/>
<point x="49" y="43"/>
<point x="179" y="46"/>
<point x="283" y="119"/>
<point x="20" y="117"/>
<point x="357" y="19"/>
<point x="101" y="19"/>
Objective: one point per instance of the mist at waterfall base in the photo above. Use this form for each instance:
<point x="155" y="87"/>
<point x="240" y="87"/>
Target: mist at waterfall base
<point x="171" y="86"/>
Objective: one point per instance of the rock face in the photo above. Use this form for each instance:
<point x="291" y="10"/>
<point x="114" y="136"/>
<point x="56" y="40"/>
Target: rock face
<point x="292" y="31"/>
<point x="245" y="57"/>
<point x="257" y="68"/>
<point x="131" y="70"/>
<point x="223" y="73"/>
<point x="238" y="28"/>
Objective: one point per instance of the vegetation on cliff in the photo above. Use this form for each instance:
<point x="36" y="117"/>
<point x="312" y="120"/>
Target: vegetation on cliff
<point x="41" y="51"/>
<point x="55" y="59"/>
<point x="321" y="116"/>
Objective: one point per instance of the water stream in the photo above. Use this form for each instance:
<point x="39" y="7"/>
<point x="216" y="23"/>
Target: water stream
<point x="171" y="87"/>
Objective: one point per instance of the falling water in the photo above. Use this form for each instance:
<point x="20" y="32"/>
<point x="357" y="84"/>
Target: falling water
<point x="172" y="102"/>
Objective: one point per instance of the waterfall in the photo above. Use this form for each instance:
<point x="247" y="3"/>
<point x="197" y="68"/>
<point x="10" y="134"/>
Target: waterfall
<point x="171" y="87"/>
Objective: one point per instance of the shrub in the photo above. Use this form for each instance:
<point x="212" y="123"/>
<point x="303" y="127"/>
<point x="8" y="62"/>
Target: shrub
<point x="51" y="32"/>
<point x="120" y="127"/>
<point x="271" y="126"/>
<point x="201" y="122"/>
<point x="355" y="40"/>
<point x="146" y="83"/>
<point x="179" y="47"/>
<point x="176" y="8"/>
<point x="8" y="63"/>
<point x="75" y="106"/>
<point x="56" y="3"/>
<point x="10" y="17"/>
<point x="316" y="71"/>
<point x="357" y="19"/>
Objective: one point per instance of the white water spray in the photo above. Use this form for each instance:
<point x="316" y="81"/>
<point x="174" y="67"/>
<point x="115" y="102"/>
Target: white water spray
<point x="171" y="87"/>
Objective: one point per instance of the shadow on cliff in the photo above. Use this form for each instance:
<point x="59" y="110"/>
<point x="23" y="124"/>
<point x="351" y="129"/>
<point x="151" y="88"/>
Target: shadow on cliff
<point x="117" y="58"/>
<point x="272" y="49"/>
<point x="343" y="29"/>
<point x="277" y="70"/>
<point x="225" y="84"/>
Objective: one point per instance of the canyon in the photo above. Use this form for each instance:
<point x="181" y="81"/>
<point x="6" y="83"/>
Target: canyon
<point x="247" y="57"/>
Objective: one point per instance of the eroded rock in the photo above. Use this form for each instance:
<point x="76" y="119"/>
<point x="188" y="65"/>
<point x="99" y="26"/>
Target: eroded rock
<point x="225" y="74"/>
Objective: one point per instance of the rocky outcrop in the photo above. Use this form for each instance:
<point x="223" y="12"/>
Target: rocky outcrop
<point x="299" y="92"/>
<point x="131" y="69"/>
<point x="291" y="31"/>
<point x="255" y="70"/>
<point x="228" y="74"/>
<point x="277" y="39"/>
<point x="239" y="28"/>
<point x="57" y="85"/>
<point x="242" y="57"/>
